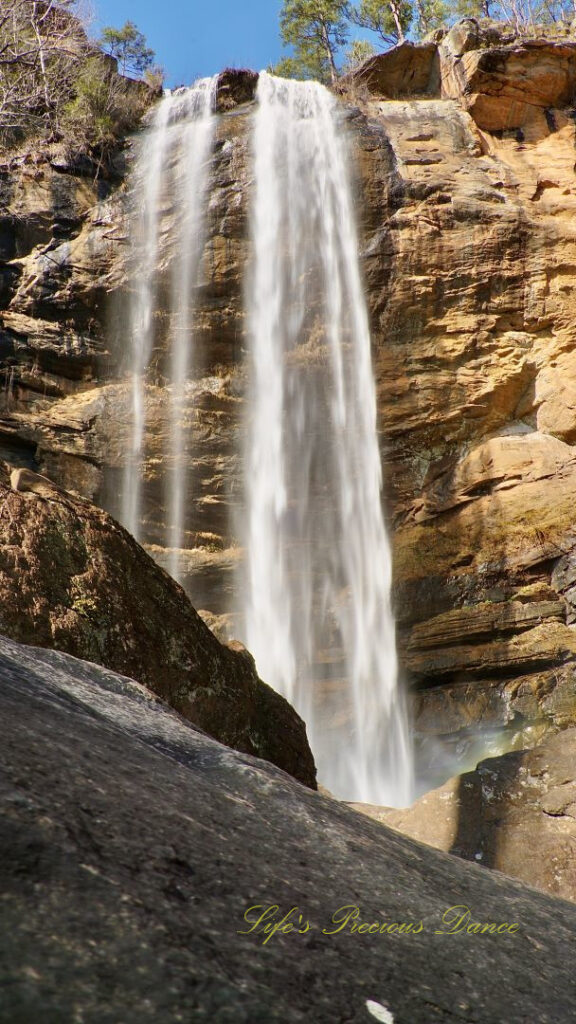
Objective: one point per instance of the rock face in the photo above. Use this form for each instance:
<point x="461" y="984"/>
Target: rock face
<point x="61" y="245"/>
<point x="516" y="813"/>
<point x="134" y="848"/>
<point x="407" y="70"/>
<point x="73" y="579"/>
<point x="472" y="295"/>
<point x="514" y="87"/>
<point x="467" y="195"/>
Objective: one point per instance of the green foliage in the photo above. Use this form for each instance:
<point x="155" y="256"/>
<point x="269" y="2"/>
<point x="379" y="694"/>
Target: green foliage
<point x="57" y="86"/>
<point x="520" y="15"/>
<point x="309" y="64"/>
<point x="103" y="108"/>
<point x="388" y="19"/>
<point x="357" y="53"/>
<point x="430" y="15"/>
<point x="128" y="46"/>
<point x="316" y="30"/>
<point x="41" y="47"/>
<point x="291" y="67"/>
<point x="90" y="113"/>
<point x="154" y="78"/>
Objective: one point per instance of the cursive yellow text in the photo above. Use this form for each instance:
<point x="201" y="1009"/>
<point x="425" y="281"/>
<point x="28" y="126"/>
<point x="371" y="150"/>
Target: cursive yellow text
<point x="348" y="918"/>
<point x="458" y="919"/>
<point x="265" y="920"/>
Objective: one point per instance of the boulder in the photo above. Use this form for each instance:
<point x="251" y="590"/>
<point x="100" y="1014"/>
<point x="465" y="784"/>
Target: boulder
<point x="409" y="69"/>
<point x="508" y="84"/>
<point x="139" y="855"/>
<point x="516" y="813"/>
<point x="235" y="86"/>
<point x="512" y="88"/>
<point x="72" y="579"/>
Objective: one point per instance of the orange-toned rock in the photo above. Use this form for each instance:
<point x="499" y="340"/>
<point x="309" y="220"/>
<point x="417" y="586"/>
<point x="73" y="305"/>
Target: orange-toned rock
<point x="468" y="247"/>
<point x="516" y="813"/>
<point x="409" y="69"/>
<point x="516" y="87"/>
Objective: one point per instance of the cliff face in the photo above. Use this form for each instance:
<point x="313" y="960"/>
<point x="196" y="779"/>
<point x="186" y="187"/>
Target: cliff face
<point x="473" y="310"/>
<point x="466" y="199"/>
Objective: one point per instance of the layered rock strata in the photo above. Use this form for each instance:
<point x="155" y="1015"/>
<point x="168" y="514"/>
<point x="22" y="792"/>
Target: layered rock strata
<point x="467" y="193"/>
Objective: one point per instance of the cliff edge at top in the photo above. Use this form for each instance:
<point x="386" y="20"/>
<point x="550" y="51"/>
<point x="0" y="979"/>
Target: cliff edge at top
<point x="507" y="82"/>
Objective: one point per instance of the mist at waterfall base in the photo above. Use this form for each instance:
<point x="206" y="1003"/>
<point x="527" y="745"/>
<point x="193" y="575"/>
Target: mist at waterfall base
<point x="314" y="590"/>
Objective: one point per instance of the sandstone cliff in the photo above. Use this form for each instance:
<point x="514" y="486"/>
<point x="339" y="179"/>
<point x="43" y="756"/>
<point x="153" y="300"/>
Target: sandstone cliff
<point x="476" y="373"/>
<point x="466" y="192"/>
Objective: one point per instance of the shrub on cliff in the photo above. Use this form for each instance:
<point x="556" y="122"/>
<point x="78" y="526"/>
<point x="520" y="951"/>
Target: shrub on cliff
<point x="42" y="47"/>
<point x="103" y="108"/>
<point x="56" y="85"/>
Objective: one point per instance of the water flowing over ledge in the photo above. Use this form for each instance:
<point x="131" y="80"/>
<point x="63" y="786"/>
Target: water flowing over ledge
<point x="172" y="167"/>
<point x="317" y="605"/>
<point x="314" y="593"/>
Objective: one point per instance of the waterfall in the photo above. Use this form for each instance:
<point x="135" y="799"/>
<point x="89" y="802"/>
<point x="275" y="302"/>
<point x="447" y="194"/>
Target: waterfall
<point x="169" y="198"/>
<point x="318" y="574"/>
<point x="315" y="591"/>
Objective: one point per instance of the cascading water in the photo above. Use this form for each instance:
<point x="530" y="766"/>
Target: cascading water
<point x="169" y="190"/>
<point x="317" y="581"/>
<point x="318" y="615"/>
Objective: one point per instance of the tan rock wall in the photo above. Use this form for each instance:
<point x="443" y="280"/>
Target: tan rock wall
<point x="469" y="256"/>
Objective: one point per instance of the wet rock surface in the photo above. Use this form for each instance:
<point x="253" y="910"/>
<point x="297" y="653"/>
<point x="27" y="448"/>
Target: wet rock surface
<point x="134" y="845"/>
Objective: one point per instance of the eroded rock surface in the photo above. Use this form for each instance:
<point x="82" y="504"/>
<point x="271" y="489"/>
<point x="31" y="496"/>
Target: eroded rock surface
<point x="133" y="846"/>
<point x="469" y="258"/>
<point x="516" y="813"/>
<point x="71" y="578"/>
<point x="472" y="297"/>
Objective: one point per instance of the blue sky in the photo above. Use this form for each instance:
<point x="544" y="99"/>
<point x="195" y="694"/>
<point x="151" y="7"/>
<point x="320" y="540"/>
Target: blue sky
<point x="199" y="37"/>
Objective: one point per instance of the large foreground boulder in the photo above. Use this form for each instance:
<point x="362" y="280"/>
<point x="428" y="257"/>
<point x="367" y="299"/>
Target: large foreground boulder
<point x="138" y="856"/>
<point x="71" y="578"/>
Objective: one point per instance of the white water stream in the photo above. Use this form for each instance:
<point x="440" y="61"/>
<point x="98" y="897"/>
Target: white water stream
<point x="317" y="601"/>
<point x="315" y="593"/>
<point x="169" y="198"/>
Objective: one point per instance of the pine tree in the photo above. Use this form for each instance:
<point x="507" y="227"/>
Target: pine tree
<point x="316" y="30"/>
<point x="128" y="45"/>
<point x="389" y="19"/>
<point x="359" y="51"/>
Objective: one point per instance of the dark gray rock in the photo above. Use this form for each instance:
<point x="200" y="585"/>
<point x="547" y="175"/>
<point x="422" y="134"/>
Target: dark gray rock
<point x="73" y="579"/>
<point x="132" y="846"/>
<point x="236" y="86"/>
